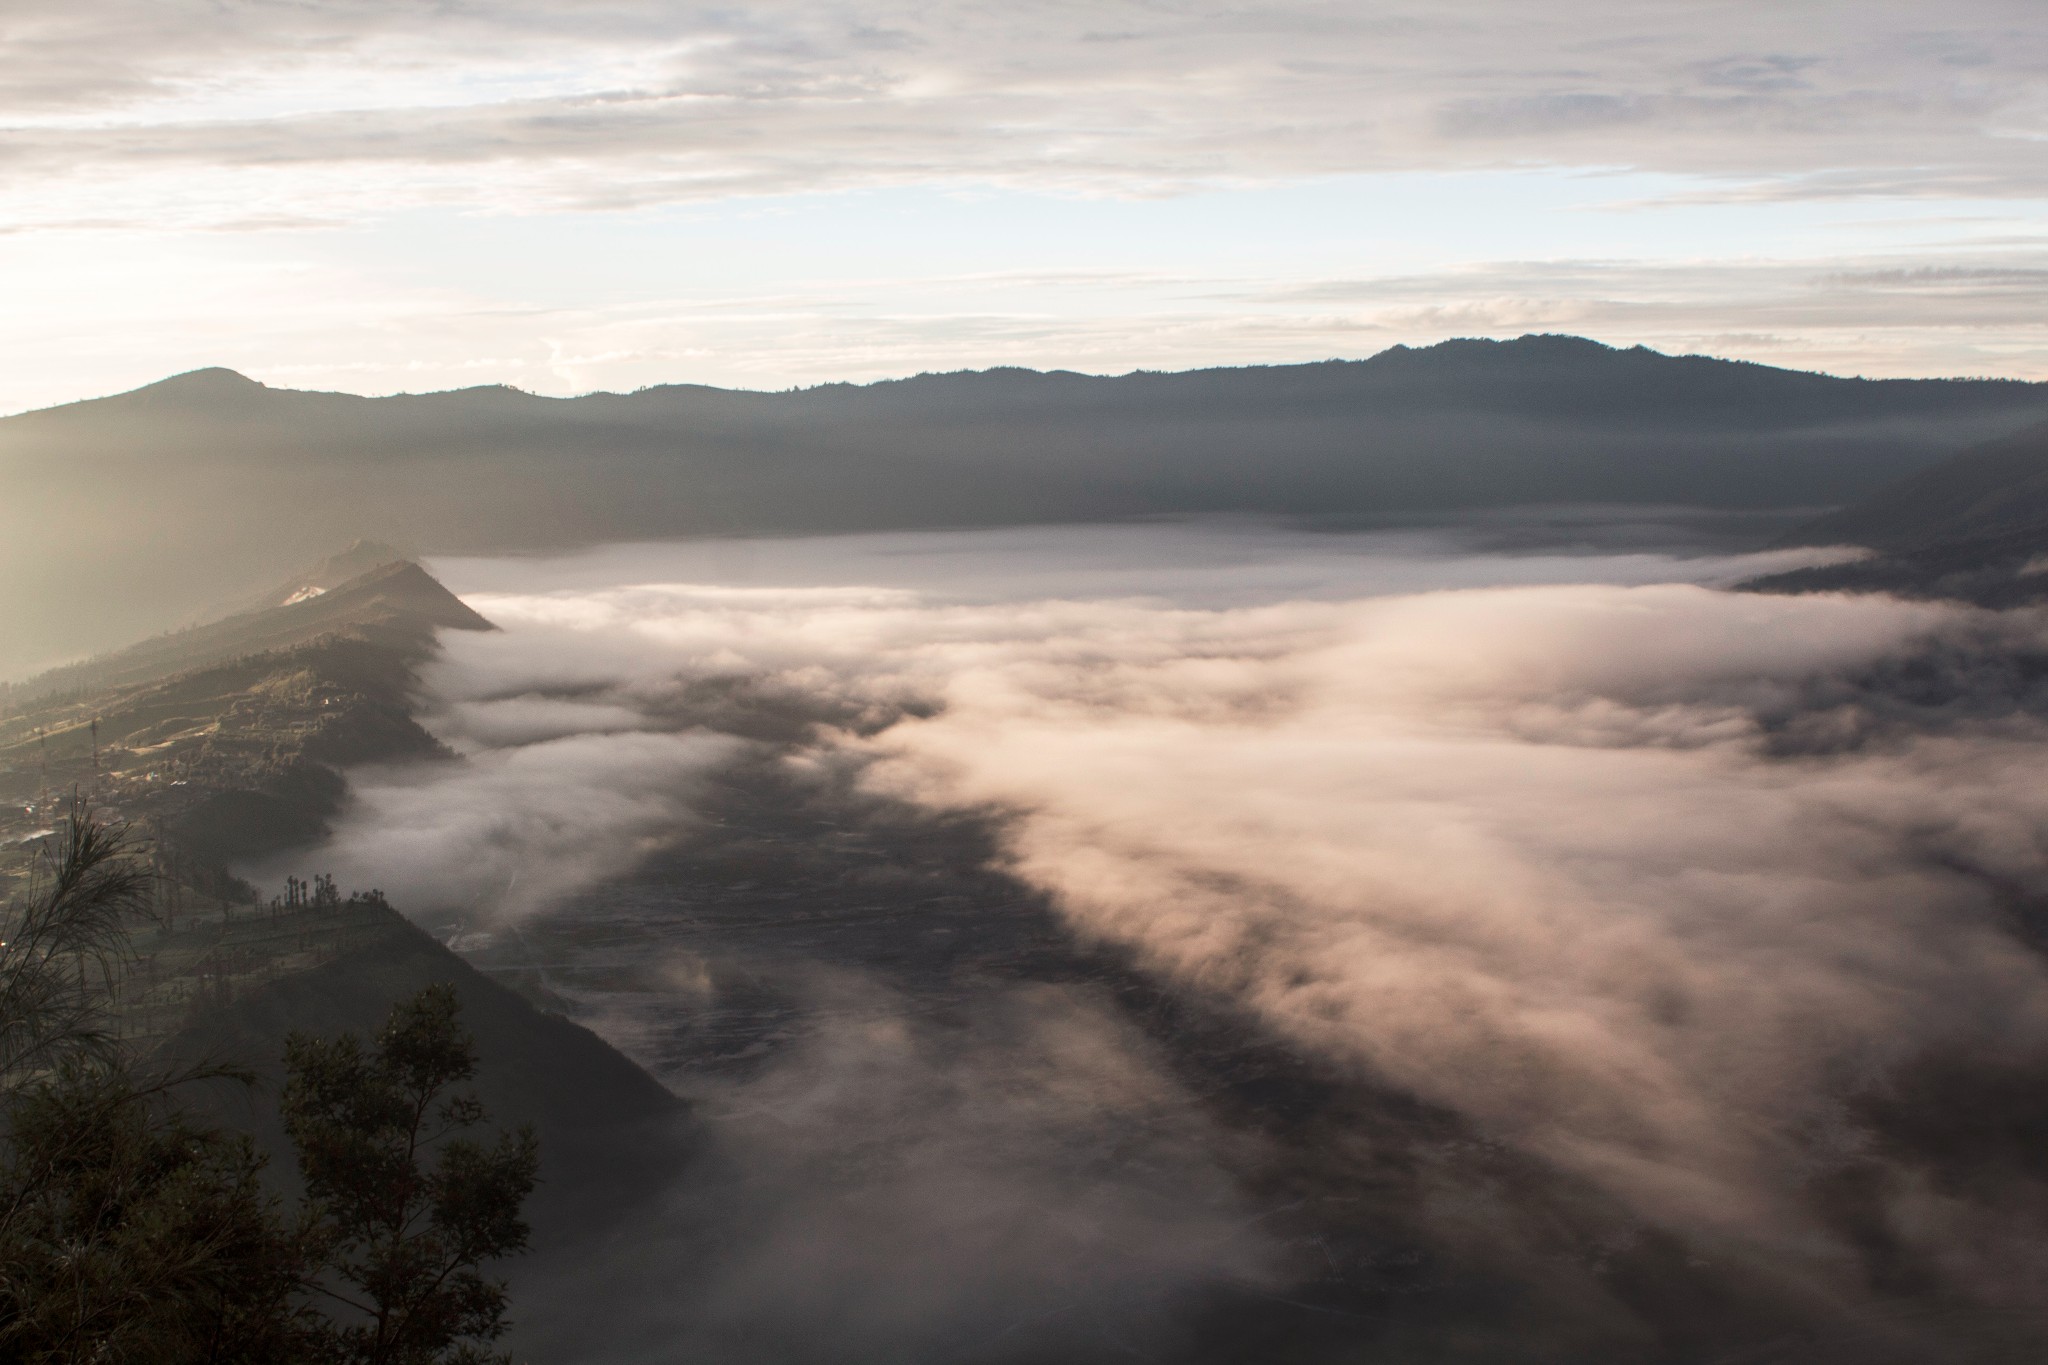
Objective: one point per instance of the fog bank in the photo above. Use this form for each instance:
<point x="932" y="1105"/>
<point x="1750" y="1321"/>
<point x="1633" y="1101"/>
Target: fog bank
<point x="1661" y="885"/>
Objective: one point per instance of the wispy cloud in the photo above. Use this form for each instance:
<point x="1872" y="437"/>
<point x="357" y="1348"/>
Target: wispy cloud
<point x="644" y="101"/>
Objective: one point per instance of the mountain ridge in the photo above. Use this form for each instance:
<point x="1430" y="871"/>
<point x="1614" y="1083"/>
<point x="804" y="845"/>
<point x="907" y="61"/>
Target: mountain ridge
<point x="226" y="379"/>
<point x="395" y="603"/>
<point x="167" y="501"/>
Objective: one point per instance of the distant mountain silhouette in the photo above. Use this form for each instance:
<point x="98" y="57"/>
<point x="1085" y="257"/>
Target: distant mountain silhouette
<point x="155" y="504"/>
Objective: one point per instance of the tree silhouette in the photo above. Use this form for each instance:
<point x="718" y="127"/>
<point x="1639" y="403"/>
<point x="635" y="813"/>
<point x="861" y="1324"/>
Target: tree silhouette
<point x="62" y="943"/>
<point x="131" y="1233"/>
<point x="403" y="1211"/>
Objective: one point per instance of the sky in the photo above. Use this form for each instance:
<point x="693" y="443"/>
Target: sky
<point x="565" y="195"/>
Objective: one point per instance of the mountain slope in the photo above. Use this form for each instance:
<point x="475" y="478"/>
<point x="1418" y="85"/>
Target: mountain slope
<point x="355" y="561"/>
<point x="153" y="504"/>
<point x="1990" y="493"/>
<point x="221" y="743"/>
<point x="396" y="604"/>
<point x="1973" y="528"/>
<point x="226" y="736"/>
<point x="612" y="1139"/>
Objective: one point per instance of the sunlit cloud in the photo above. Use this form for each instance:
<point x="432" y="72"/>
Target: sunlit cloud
<point x="1640" y="877"/>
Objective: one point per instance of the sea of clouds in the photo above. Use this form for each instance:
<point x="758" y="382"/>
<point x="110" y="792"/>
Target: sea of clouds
<point x="1644" y="877"/>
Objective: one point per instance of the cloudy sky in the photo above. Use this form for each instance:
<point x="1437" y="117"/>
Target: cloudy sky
<point x="382" y="195"/>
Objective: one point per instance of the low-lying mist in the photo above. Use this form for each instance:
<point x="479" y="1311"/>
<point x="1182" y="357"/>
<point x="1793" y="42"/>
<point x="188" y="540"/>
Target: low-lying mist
<point x="1688" y="897"/>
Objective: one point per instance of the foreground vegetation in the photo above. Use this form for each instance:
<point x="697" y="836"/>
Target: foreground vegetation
<point x="132" y="1231"/>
